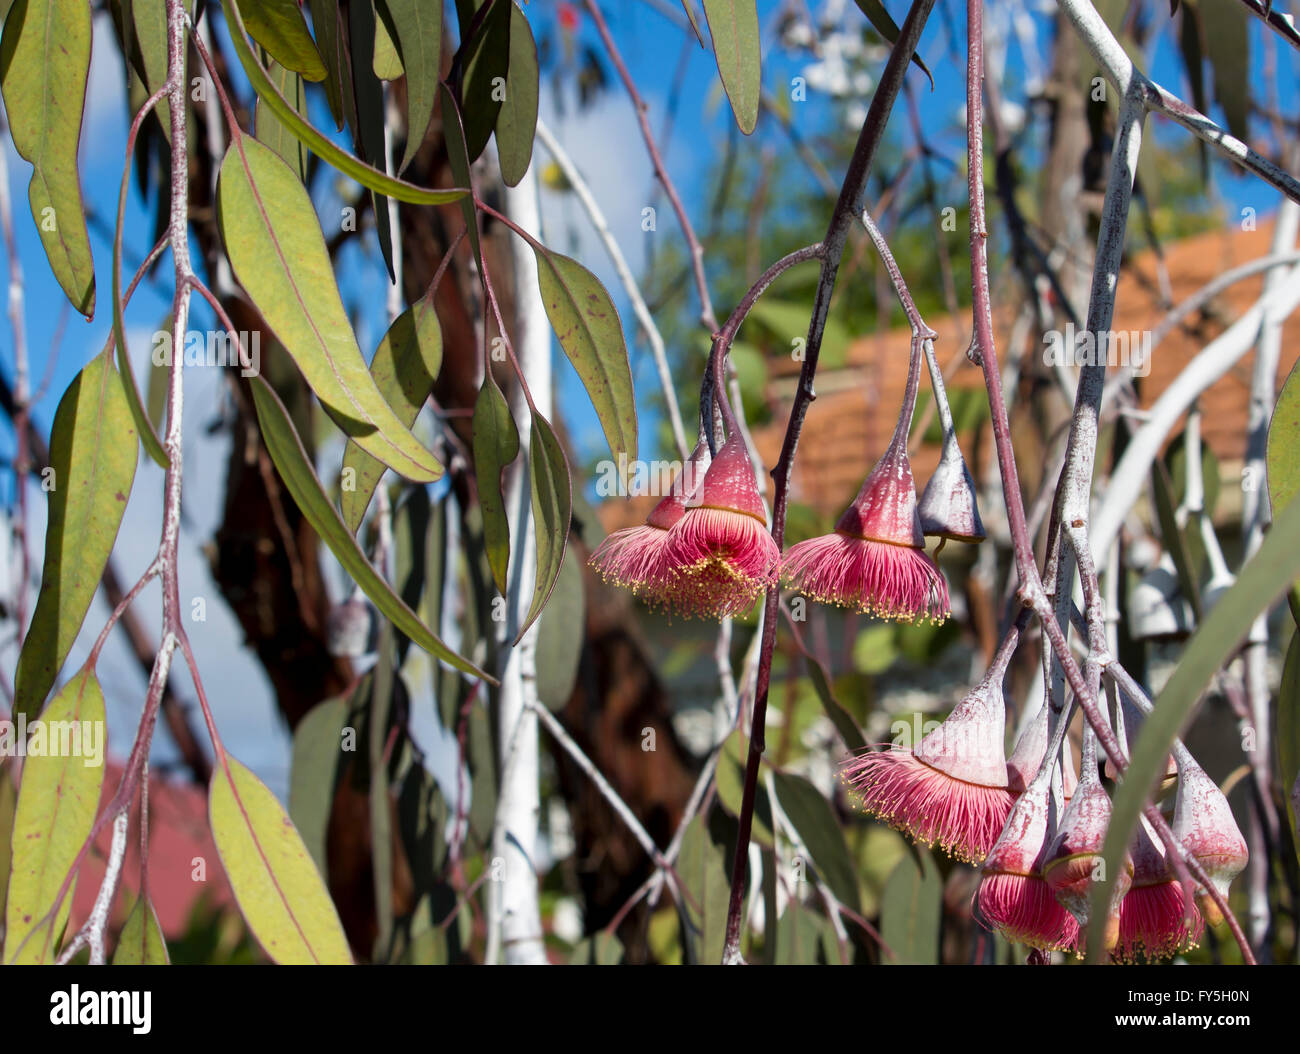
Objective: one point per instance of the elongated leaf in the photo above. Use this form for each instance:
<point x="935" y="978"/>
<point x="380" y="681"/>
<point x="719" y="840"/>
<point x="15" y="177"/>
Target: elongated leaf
<point x="517" y="120"/>
<point x="56" y="809"/>
<point x="813" y="818"/>
<point x="299" y="477"/>
<point x="404" y="367"/>
<point x="1288" y="728"/>
<point x="271" y="130"/>
<point x="368" y="120"/>
<point x="278" y="253"/>
<point x="560" y="636"/>
<point x="313" y="765"/>
<point x="883" y="24"/>
<point x="93" y="453"/>
<point x="910" y="910"/>
<point x="733" y="25"/>
<point x="703" y="869"/>
<point x="587" y="325"/>
<point x="327" y="151"/>
<point x="326" y="25"/>
<point x="388" y="60"/>
<point x="1265" y="577"/>
<point x="458" y="161"/>
<point x="416" y="26"/>
<point x="496" y="445"/>
<point x="8" y="805"/>
<point x="44" y="64"/>
<point x="689" y="7"/>
<point x="486" y="63"/>
<point x="149" y="21"/>
<point x="1227" y="43"/>
<point x="1283" y="458"/>
<point x="279" y="27"/>
<point x="141" y="941"/>
<point x="552" y="498"/>
<point x="280" y="893"/>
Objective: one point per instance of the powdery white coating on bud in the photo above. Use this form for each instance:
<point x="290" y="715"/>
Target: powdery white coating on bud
<point x="1153" y="918"/>
<point x="1027" y="757"/>
<point x="952" y="791"/>
<point x="1075" y="852"/>
<point x="948" y="508"/>
<point x="1013" y="895"/>
<point x="1204" y="824"/>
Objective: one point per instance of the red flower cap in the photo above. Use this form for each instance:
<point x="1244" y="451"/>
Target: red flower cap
<point x="1204" y="824"/>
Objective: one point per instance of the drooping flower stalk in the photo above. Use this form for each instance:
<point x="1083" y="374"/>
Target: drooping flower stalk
<point x="875" y="560"/>
<point x="951" y="790"/>
<point x="1074" y="859"/>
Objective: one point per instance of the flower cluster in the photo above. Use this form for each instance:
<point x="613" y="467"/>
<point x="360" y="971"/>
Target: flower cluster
<point x="959" y="791"/>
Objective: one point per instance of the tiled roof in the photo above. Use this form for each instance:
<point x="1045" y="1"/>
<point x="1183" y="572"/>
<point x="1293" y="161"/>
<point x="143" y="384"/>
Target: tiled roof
<point x="849" y="424"/>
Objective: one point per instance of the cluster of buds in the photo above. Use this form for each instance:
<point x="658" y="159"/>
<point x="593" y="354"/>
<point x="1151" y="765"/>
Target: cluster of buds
<point x="705" y="550"/>
<point x="1037" y="832"/>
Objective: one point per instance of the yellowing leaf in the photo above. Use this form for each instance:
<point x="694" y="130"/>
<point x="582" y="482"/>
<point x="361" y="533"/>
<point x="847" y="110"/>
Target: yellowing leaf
<point x="405" y="365"/>
<point x="93" y="453"/>
<point x="57" y="801"/>
<point x="279" y="27"/>
<point x="44" y="63"/>
<point x="280" y="893"/>
<point x="277" y="251"/>
<point x="587" y="325"/>
<point x="141" y="941"/>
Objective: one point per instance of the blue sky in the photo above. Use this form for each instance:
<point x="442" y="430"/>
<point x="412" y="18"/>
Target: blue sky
<point x="605" y="143"/>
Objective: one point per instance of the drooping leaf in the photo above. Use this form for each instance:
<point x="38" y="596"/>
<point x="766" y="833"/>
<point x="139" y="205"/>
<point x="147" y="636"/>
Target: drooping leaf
<point x="322" y="147"/>
<point x="552" y="500"/>
<point x="93" y="454"/>
<point x="271" y="130"/>
<point x="1283" y="456"/>
<point x="1264" y="578"/>
<point x="328" y="28"/>
<point x="44" y="65"/>
<point x="496" y="445"/>
<point x="733" y="25"/>
<point x="560" y="636"/>
<point x="277" y="252"/>
<point x="517" y="120"/>
<point x="1227" y="43"/>
<point x="1288" y="729"/>
<point x="149" y="21"/>
<point x="368" y="121"/>
<point x="416" y="26"/>
<point x="57" y="801"/>
<point x="812" y="816"/>
<point x="703" y="869"/>
<point x="280" y="893"/>
<point x="313" y="767"/>
<point x="279" y="27"/>
<point x="141" y="941"/>
<point x="305" y="488"/>
<point x="587" y="325"/>
<point x="458" y="161"/>
<point x="689" y="7"/>
<point x="883" y="23"/>
<point x="404" y="367"/>
<point x="485" y="62"/>
<point x="910" y="910"/>
<point x="387" y="60"/>
<point x="730" y="782"/>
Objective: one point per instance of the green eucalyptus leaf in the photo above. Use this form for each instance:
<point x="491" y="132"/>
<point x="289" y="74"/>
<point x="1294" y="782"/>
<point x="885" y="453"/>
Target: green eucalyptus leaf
<point x="496" y="445"/>
<point x="517" y="119"/>
<point x="279" y="27"/>
<point x="552" y="501"/>
<point x="733" y="25"/>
